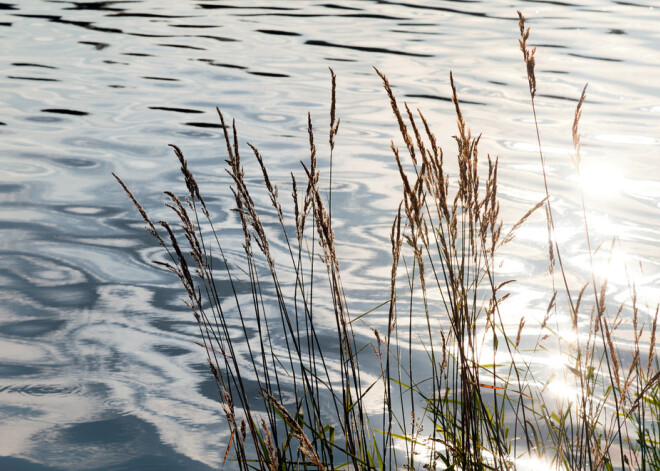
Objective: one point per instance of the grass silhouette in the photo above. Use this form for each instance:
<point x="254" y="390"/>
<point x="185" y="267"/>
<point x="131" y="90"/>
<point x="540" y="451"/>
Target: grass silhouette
<point x="463" y="394"/>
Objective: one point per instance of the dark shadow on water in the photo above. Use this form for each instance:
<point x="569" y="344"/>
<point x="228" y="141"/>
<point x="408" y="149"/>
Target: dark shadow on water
<point x="31" y="328"/>
<point x="44" y="119"/>
<point x="76" y="162"/>
<point x="128" y="436"/>
<point x="11" y="187"/>
<point x="18" y="464"/>
<point x="13" y="371"/>
<point x="207" y="387"/>
<point x="170" y="350"/>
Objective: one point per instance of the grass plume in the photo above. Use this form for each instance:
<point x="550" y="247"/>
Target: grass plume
<point x="457" y="393"/>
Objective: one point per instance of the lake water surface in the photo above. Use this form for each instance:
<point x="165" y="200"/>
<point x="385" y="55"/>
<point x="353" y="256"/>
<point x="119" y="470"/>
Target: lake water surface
<point x="98" y="363"/>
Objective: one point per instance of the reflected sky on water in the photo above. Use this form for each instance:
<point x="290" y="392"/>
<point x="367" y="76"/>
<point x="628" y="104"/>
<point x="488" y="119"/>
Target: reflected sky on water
<point x="98" y="363"/>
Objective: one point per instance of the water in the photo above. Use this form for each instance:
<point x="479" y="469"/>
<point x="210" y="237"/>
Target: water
<point x="98" y="365"/>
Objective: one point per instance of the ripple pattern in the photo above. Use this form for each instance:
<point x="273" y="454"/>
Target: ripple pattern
<point x="99" y="368"/>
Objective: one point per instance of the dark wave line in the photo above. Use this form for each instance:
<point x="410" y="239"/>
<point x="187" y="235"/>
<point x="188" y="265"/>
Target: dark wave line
<point x="437" y="8"/>
<point x="325" y="15"/>
<point x="98" y="46"/>
<point x="340" y="7"/>
<point x="366" y="49"/>
<point x="164" y="79"/>
<point x="217" y="38"/>
<point x="82" y="24"/>
<point x="555" y="2"/>
<point x="176" y="110"/>
<point x="451" y="10"/>
<point x="147" y="35"/>
<point x="97" y="6"/>
<point x="193" y="26"/>
<point x="214" y="6"/>
<point x="183" y="46"/>
<point x="37" y="79"/>
<point x="584" y="56"/>
<point x="147" y="15"/>
<point x="442" y="98"/>
<point x="222" y="64"/>
<point x="288" y="15"/>
<point x="375" y="16"/>
<point x="204" y="125"/>
<point x="559" y="97"/>
<point x="554" y="46"/>
<point x="30" y="64"/>
<point x="65" y="111"/>
<point x="278" y="32"/>
<point x="268" y="74"/>
<point x="632" y="4"/>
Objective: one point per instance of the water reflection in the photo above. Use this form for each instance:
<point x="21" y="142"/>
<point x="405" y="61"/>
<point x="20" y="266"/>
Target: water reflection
<point x="98" y="362"/>
<point x="112" y="371"/>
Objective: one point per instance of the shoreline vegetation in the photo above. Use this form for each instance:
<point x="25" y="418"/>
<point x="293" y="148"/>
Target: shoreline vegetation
<point x="468" y="399"/>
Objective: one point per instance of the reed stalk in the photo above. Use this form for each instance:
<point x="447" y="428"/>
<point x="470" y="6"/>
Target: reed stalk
<point x="295" y="399"/>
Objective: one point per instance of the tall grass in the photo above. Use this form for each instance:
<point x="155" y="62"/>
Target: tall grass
<point x="459" y="392"/>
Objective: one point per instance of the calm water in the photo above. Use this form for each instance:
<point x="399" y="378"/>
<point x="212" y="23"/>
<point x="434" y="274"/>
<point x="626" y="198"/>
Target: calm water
<point x="98" y="365"/>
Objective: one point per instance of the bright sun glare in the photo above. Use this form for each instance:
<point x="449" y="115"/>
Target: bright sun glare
<point x="601" y="180"/>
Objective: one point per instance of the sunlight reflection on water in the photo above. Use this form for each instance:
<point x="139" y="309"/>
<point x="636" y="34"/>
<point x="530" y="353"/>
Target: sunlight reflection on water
<point x="602" y="180"/>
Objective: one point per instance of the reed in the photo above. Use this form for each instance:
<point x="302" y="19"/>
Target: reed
<point x="468" y="399"/>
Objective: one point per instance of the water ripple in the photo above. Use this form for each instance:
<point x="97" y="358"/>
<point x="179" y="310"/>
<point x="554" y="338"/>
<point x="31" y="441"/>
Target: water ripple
<point x="98" y="362"/>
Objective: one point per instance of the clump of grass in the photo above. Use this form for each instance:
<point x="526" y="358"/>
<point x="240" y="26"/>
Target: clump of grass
<point x="457" y="394"/>
<point x="296" y="374"/>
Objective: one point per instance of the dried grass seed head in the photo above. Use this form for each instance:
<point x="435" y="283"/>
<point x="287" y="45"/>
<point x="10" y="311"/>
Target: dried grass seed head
<point x="577" y="160"/>
<point x="528" y="55"/>
<point x="150" y="225"/>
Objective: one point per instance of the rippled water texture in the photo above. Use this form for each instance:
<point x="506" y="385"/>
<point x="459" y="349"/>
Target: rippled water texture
<point x="98" y="365"/>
